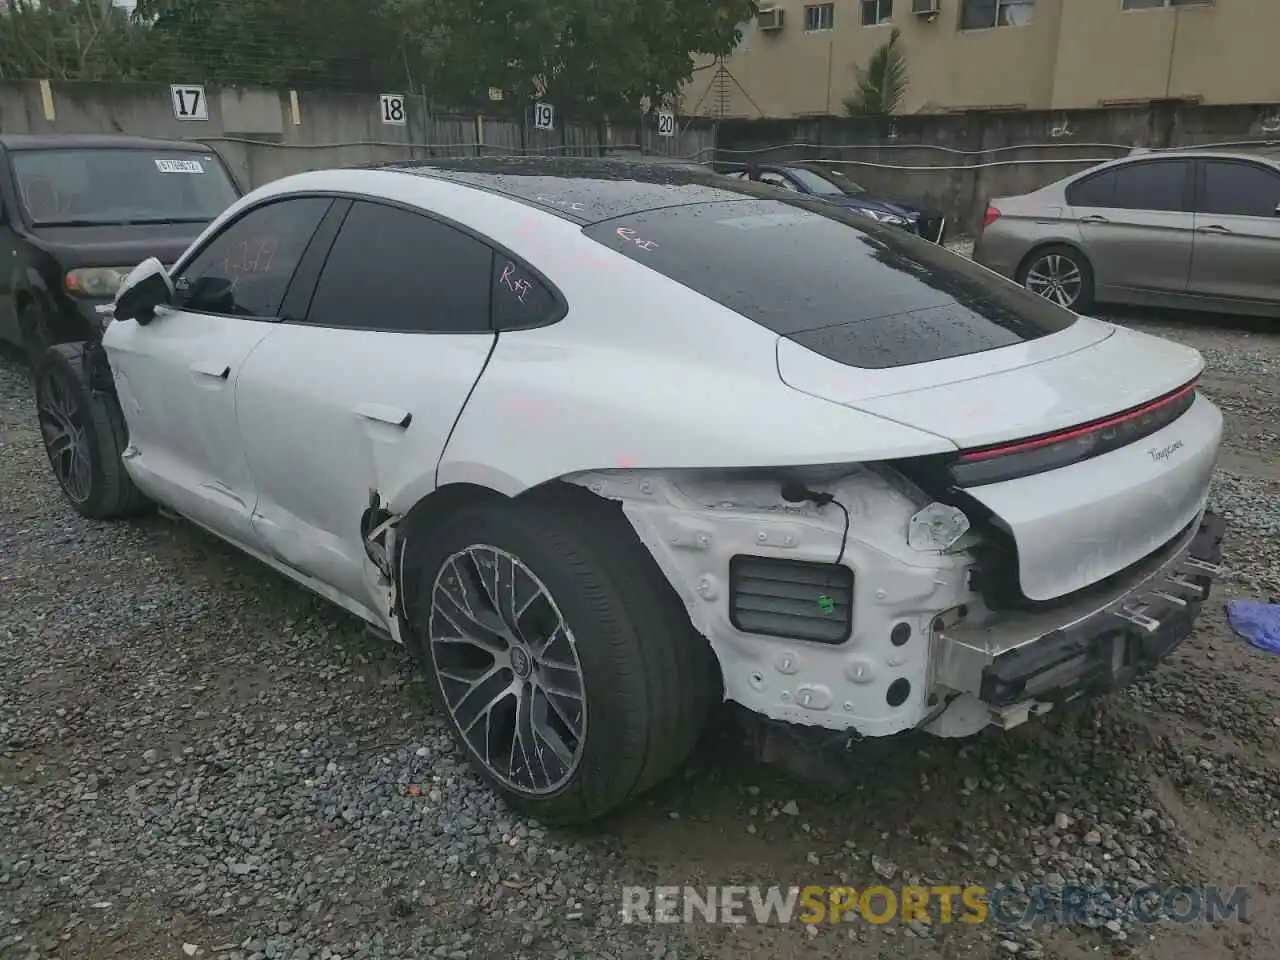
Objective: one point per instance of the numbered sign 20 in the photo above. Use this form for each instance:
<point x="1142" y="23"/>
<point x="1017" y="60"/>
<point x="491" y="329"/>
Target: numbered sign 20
<point x="544" y="116"/>
<point x="392" y="106"/>
<point x="666" y="123"/>
<point x="188" y="102"/>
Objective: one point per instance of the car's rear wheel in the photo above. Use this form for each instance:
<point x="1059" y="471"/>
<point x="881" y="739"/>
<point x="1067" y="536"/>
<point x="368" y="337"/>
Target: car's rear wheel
<point x="84" y="435"/>
<point x="565" y="662"/>
<point x="1061" y="274"/>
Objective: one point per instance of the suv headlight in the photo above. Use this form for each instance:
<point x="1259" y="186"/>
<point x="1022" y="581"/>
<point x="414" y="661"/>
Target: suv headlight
<point x="97" y="283"/>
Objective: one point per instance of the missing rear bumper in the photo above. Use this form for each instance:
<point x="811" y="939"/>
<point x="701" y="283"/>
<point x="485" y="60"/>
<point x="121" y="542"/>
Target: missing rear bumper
<point x="1095" y="644"/>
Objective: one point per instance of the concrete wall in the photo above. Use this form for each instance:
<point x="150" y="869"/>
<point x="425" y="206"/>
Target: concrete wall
<point x="957" y="162"/>
<point x="1069" y="54"/>
<point x="266" y="134"/>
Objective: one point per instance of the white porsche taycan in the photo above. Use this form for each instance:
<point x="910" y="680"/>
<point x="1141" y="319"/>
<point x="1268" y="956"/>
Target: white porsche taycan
<point x="605" y="444"/>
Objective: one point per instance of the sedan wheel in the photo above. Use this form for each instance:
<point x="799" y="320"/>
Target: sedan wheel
<point x="564" y="661"/>
<point x="1061" y="275"/>
<point x="509" y="670"/>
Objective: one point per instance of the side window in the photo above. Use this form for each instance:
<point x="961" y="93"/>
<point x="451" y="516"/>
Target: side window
<point x="519" y="298"/>
<point x="1240" y="189"/>
<point x="1153" y="185"/>
<point x="245" y="270"/>
<point x="1096" y="191"/>
<point x="391" y="269"/>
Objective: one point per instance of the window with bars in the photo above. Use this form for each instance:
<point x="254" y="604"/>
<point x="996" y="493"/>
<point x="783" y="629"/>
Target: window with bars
<point x="876" y="12"/>
<point x="984" y="14"/>
<point x="820" y="16"/>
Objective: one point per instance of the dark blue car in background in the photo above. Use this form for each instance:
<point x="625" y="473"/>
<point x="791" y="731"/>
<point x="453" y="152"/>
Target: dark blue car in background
<point x="818" y="180"/>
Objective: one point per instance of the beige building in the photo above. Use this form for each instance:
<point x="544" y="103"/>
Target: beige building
<point x="800" y="58"/>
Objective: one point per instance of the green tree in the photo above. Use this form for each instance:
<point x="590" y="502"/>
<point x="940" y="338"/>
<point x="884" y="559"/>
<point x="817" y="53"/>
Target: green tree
<point x="592" y="58"/>
<point x="67" y="40"/>
<point x="882" y="84"/>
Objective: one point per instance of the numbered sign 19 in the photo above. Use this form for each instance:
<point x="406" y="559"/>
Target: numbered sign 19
<point x="666" y="123"/>
<point x="188" y="102"/>
<point x="544" y="116"/>
<point x="392" y="107"/>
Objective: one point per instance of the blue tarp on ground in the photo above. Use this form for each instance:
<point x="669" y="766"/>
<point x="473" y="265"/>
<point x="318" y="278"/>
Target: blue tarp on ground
<point x="1257" y="622"/>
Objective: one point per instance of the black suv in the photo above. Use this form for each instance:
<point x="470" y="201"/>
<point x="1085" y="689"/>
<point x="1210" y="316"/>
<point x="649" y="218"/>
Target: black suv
<point x="77" y="213"/>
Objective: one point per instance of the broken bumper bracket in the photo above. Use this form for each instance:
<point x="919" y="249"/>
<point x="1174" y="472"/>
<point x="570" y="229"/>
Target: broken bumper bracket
<point x="1103" y="645"/>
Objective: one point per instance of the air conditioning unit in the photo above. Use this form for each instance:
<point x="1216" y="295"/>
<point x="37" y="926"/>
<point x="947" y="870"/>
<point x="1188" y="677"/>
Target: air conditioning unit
<point x="770" y="18"/>
<point x="926" y="8"/>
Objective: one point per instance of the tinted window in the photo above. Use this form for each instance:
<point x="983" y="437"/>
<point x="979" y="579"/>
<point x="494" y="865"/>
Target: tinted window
<point x="245" y="270"/>
<point x="111" y="186"/>
<point x="1153" y="185"/>
<point x="520" y="299"/>
<point x="1239" y="189"/>
<point x="816" y="184"/>
<point x="1097" y="191"/>
<point x="861" y="293"/>
<point x="392" y="269"/>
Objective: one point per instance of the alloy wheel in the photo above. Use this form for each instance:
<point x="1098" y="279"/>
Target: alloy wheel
<point x="508" y="668"/>
<point x="66" y="439"/>
<point x="1056" y="277"/>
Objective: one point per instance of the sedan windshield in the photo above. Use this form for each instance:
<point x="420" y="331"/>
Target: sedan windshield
<point x="88" y="187"/>
<point x="851" y="187"/>
<point x="815" y="184"/>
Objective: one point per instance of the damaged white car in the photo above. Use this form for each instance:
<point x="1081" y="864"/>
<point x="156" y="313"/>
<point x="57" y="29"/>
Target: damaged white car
<point x="605" y="444"/>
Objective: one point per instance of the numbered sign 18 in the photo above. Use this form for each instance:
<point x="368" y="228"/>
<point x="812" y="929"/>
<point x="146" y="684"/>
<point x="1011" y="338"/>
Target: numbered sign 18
<point x="544" y="116"/>
<point x="188" y="102"/>
<point x="392" y="106"/>
<point x="666" y="123"/>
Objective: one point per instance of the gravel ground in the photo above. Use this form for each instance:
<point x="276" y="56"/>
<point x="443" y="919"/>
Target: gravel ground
<point x="198" y="759"/>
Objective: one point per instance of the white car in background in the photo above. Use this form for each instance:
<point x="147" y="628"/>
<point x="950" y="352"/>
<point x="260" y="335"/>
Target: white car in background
<point x="604" y="444"/>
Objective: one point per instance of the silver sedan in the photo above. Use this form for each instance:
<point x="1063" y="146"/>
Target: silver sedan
<point x="1188" y="229"/>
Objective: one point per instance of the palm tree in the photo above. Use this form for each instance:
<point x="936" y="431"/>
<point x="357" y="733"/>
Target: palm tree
<point x="882" y="84"/>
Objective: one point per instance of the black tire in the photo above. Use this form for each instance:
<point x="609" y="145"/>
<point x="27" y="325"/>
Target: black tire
<point x="37" y="333"/>
<point x="107" y="491"/>
<point x="648" y="676"/>
<point x="1068" y="256"/>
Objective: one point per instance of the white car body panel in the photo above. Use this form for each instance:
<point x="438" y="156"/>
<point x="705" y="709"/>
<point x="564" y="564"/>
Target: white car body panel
<point x="329" y="415"/>
<point x="176" y="380"/>
<point x="685" y="412"/>
<point x="1081" y="384"/>
<point x="1081" y="523"/>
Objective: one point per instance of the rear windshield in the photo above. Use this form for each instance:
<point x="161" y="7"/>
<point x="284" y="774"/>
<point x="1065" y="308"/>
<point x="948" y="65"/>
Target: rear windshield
<point x="862" y="293"/>
<point x="93" y="187"/>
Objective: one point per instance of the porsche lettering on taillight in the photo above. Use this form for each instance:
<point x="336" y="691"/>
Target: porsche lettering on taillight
<point x="1008" y="461"/>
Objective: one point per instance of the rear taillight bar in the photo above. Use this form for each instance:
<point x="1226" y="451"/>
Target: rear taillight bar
<point x="1051" y="451"/>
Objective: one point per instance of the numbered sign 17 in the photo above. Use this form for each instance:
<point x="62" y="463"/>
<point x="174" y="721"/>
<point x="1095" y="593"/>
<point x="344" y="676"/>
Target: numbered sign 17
<point x="544" y="116"/>
<point x="392" y="107"/>
<point x="666" y="123"/>
<point x="188" y="102"/>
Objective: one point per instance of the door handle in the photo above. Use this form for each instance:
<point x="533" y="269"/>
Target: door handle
<point x="1212" y="228"/>
<point x="1094" y="218"/>
<point x="211" y="368"/>
<point x="385" y="414"/>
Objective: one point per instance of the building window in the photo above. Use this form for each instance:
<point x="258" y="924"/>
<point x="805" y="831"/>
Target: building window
<point x="1157" y="4"/>
<point x="820" y="17"/>
<point x="984" y="14"/>
<point x="875" y="12"/>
